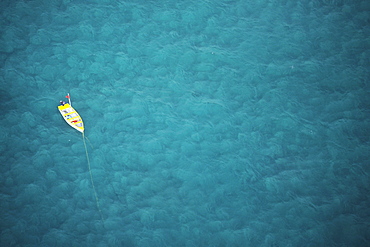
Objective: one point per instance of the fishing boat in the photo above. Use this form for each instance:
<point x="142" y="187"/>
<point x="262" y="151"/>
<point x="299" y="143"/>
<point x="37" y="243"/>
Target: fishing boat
<point x="70" y="115"/>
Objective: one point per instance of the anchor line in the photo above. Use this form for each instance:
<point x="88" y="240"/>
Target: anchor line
<point x="91" y="178"/>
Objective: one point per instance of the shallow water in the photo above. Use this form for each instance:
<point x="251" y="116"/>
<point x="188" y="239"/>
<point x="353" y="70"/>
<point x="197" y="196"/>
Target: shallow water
<point x="212" y="123"/>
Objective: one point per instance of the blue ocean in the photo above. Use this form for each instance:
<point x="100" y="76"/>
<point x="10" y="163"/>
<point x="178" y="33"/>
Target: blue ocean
<point x="224" y="123"/>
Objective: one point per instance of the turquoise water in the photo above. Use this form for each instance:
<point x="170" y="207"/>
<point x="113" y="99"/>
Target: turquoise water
<point x="211" y="123"/>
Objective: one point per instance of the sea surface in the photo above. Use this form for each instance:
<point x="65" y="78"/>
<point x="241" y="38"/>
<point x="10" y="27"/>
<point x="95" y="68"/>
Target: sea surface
<point x="207" y="123"/>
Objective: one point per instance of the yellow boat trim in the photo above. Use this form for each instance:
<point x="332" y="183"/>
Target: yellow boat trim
<point x="65" y="106"/>
<point x="69" y="113"/>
